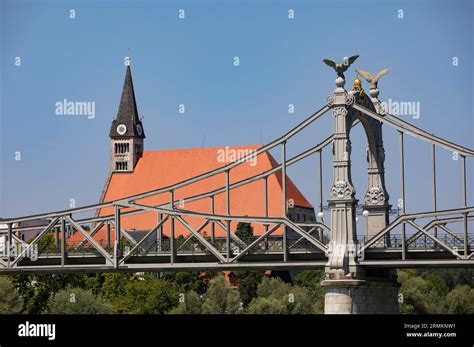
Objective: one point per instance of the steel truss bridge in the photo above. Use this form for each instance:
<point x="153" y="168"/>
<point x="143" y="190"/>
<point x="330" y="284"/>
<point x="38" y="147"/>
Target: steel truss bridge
<point x="420" y="239"/>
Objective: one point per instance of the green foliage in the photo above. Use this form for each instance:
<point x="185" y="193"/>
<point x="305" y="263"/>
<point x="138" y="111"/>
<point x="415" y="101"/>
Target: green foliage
<point x="311" y="280"/>
<point x="248" y="282"/>
<point x="94" y="282"/>
<point x="10" y="299"/>
<point x="300" y="301"/>
<point x="450" y="277"/>
<point x="460" y="300"/>
<point x="276" y="297"/>
<point x="269" y="305"/>
<point x="77" y="301"/>
<point x="190" y="281"/>
<point x="273" y="287"/>
<point x="421" y="295"/>
<point x="47" y="244"/>
<point x="423" y="290"/>
<point x="147" y="296"/>
<point x="221" y="298"/>
<point x="192" y="304"/>
<point x="113" y="288"/>
<point x="244" y="231"/>
<point x="36" y="290"/>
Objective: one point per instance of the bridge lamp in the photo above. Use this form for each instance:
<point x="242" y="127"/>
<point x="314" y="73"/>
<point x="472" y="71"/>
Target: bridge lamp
<point x="357" y="219"/>
<point x="365" y="213"/>
<point x="320" y="215"/>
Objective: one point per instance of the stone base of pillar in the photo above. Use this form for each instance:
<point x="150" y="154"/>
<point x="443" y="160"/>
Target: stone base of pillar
<point x="352" y="296"/>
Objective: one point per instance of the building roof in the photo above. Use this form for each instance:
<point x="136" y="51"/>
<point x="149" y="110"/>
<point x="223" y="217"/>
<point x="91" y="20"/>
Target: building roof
<point x="127" y="113"/>
<point x="158" y="169"/>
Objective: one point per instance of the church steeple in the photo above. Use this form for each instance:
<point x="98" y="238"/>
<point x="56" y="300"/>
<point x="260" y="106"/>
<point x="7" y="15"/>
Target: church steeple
<point x="126" y="133"/>
<point x="127" y="113"/>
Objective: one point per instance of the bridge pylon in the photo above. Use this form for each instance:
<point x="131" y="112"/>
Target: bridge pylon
<point x="349" y="289"/>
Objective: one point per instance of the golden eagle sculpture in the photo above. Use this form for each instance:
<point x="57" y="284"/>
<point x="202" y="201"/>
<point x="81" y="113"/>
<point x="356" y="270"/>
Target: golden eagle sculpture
<point x="371" y="79"/>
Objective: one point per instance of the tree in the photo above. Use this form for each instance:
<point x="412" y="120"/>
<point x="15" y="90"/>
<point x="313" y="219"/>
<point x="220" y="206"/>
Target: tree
<point x="311" y="280"/>
<point x="248" y="282"/>
<point x="272" y="287"/>
<point x="221" y="298"/>
<point x="450" y="277"/>
<point x="267" y="306"/>
<point x="421" y="295"/>
<point x="10" y="299"/>
<point x="275" y="297"/>
<point x="113" y="287"/>
<point x="460" y="300"/>
<point x="190" y="281"/>
<point x="47" y="244"/>
<point x="94" y="282"/>
<point x="78" y="301"/>
<point x="147" y="296"/>
<point x="300" y="301"/>
<point x="244" y="231"/>
<point x="191" y="304"/>
<point x="36" y="290"/>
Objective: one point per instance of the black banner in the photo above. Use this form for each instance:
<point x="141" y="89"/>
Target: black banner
<point x="379" y="330"/>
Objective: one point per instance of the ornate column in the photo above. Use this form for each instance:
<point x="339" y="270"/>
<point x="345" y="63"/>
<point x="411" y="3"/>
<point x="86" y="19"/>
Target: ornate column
<point x="376" y="198"/>
<point x="342" y="202"/>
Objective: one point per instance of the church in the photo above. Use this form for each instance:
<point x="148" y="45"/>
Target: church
<point x="134" y="170"/>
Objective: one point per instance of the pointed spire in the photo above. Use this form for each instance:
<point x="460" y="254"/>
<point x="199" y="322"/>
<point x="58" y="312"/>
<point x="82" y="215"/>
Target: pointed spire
<point x="127" y="114"/>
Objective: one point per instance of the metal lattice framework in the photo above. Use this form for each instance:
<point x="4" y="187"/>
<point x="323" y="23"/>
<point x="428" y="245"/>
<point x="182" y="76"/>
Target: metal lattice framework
<point x="318" y="245"/>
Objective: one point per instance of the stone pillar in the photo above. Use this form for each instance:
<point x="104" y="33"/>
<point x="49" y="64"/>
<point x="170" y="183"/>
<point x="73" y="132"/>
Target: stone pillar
<point x="376" y="198"/>
<point x="360" y="297"/>
<point x="342" y="202"/>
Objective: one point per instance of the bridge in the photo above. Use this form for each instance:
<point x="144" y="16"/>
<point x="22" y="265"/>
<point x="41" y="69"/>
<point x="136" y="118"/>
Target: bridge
<point x="351" y="260"/>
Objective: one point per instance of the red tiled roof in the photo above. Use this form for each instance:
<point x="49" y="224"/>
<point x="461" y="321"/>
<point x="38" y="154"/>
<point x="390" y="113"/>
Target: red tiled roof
<point x="157" y="169"/>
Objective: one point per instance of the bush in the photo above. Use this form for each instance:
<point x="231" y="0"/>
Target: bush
<point x="147" y="296"/>
<point x="192" y="304"/>
<point x="421" y="295"/>
<point x="77" y="301"/>
<point x="221" y="298"/>
<point x="460" y="300"/>
<point x="277" y="297"/>
<point x="10" y="299"/>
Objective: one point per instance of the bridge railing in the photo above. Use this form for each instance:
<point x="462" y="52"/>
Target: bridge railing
<point x="437" y="231"/>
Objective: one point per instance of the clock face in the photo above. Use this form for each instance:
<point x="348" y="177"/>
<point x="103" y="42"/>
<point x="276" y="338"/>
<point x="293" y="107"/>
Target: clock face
<point x="122" y="129"/>
<point x="139" y="129"/>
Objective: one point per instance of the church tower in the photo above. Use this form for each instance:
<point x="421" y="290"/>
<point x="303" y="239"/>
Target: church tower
<point x="126" y="132"/>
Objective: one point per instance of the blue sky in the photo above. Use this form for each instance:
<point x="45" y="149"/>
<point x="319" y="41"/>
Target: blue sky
<point x="190" y="62"/>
